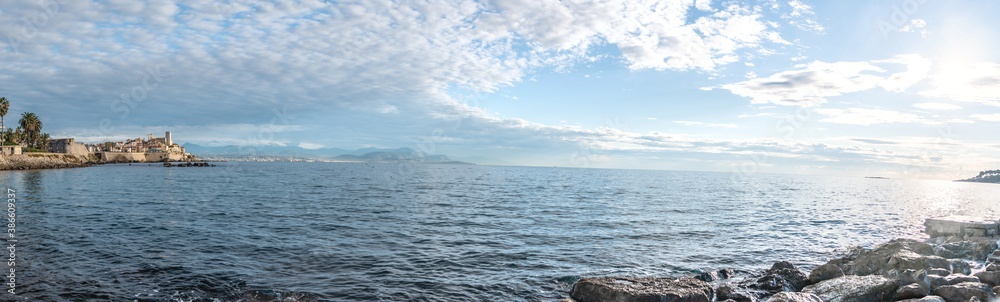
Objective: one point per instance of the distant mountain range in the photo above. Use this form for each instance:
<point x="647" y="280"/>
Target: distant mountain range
<point x="285" y="153"/>
<point x="988" y="176"/>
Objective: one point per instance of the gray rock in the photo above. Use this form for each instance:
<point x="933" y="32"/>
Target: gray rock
<point x="909" y="276"/>
<point x="960" y="278"/>
<point x="912" y="291"/>
<point x="925" y="299"/>
<point x="892" y="258"/>
<point x="782" y="276"/>
<point x="936" y="281"/>
<point x="959" y="266"/>
<point x="962" y="292"/>
<point x="794" y="297"/>
<point x="996" y="291"/>
<point x="626" y="289"/>
<point x="939" y="271"/>
<point x="825" y="272"/>
<point x="736" y="293"/>
<point x="716" y="275"/>
<point x="977" y="248"/>
<point x="854" y="289"/>
<point x="989" y="277"/>
<point x="993" y="267"/>
<point x="994" y="257"/>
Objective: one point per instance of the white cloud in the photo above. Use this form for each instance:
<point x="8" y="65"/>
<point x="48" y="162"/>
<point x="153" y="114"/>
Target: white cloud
<point x="937" y="106"/>
<point x="867" y="117"/>
<point x="310" y="146"/>
<point x="703" y="124"/>
<point x="811" y="84"/>
<point x="916" y="25"/>
<point x="977" y="82"/>
<point x="994" y="117"/>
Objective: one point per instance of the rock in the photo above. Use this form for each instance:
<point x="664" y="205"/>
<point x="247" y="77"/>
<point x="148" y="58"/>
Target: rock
<point x="625" y="289"/>
<point x="782" y="276"/>
<point x="976" y="248"/>
<point x="936" y="281"/>
<point x="925" y="299"/>
<point x="914" y="277"/>
<point x="959" y="266"/>
<point x="890" y="259"/>
<point x="989" y="277"/>
<point x="960" y="278"/>
<point x="939" y="271"/>
<point x="992" y="267"/>
<point x="794" y="297"/>
<point x="912" y="291"/>
<point x="964" y="291"/>
<point x="716" y="275"/>
<point x="733" y="292"/>
<point x="996" y="291"/>
<point x="962" y="226"/>
<point x="994" y="257"/>
<point x="854" y="288"/>
<point x="825" y="272"/>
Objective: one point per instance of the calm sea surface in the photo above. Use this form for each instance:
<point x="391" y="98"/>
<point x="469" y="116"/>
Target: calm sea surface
<point x="398" y="232"/>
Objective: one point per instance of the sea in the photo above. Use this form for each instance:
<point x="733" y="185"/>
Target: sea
<point x="249" y="231"/>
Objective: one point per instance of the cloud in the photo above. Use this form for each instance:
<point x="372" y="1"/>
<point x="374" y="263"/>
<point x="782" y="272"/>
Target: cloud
<point x="311" y="146"/>
<point x="867" y="117"/>
<point x="801" y="17"/>
<point x="811" y="84"/>
<point x="937" y="106"/>
<point x="994" y="117"/>
<point x="915" y="25"/>
<point x="874" y="141"/>
<point x="976" y="82"/>
<point x="703" y="124"/>
<point x="247" y="58"/>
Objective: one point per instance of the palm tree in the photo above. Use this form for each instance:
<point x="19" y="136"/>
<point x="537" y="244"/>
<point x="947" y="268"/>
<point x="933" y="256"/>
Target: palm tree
<point x="4" y="105"/>
<point x="32" y="128"/>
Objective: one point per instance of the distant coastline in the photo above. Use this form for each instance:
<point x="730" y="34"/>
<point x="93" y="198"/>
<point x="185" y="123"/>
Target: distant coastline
<point x="988" y="176"/>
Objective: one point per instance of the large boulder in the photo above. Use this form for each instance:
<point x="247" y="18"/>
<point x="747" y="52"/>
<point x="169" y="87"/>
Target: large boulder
<point x="854" y="289"/>
<point x="912" y="291"/>
<point x="989" y="277"/>
<point x="794" y="297"/>
<point x="925" y="299"/>
<point x="781" y="277"/>
<point x="959" y="266"/>
<point x="939" y="271"/>
<point x="626" y="289"/>
<point x="737" y="293"/>
<point x="960" y="278"/>
<point x="825" y="272"/>
<point x="962" y="292"/>
<point x="976" y="248"/>
<point x="890" y="259"/>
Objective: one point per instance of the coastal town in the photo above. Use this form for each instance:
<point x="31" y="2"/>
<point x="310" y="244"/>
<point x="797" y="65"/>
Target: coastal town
<point x="26" y="147"/>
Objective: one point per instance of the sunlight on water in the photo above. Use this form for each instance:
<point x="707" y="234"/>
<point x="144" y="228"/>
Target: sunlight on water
<point x="346" y="232"/>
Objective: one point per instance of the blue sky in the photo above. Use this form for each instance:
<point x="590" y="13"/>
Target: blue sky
<point x="890" y="88"/>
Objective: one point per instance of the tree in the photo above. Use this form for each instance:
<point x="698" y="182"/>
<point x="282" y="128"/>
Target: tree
<point x="32" y="128"/>
<point x="4" y="105"/>
<point x="43" y="141"/>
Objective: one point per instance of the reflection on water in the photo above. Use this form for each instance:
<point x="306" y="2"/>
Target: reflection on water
<point x="345" y="232"/>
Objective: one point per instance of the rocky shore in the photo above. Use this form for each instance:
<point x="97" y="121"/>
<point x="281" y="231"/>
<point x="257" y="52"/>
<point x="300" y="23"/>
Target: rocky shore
<point x="30" y="161"/>
<point x="951" y="268"/>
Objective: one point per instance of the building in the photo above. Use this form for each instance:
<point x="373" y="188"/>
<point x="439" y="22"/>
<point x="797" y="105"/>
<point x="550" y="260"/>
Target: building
<point x="11" y="150"/>
<point x="68" y="146"/>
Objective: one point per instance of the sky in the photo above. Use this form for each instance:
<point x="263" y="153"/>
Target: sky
<point x="895" y="88"/>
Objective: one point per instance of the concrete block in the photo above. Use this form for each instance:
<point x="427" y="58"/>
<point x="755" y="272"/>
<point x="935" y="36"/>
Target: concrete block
<point x="962" y="226"/>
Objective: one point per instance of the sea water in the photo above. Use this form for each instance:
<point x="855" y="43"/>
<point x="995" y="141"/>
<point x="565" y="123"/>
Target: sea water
<point x="421" y="232"/>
